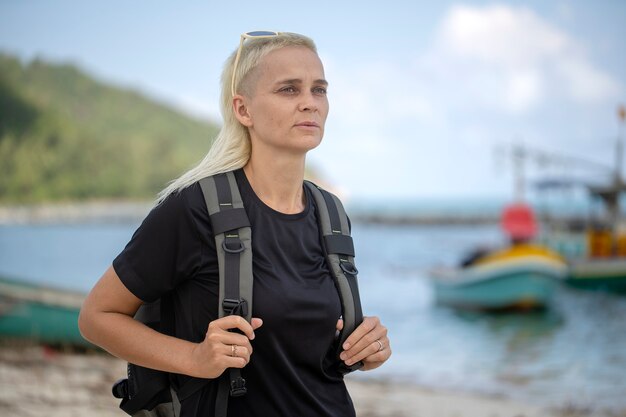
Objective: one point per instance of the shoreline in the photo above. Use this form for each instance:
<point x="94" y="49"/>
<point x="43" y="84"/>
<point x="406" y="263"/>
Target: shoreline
<point x="96" y="211"/>
<point x="133" y="211"/>
<point x="107" y="211"/>
<point x="37" y="380"/>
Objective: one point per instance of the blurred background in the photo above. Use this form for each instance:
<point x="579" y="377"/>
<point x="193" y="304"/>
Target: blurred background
<point x="477" y="146"/>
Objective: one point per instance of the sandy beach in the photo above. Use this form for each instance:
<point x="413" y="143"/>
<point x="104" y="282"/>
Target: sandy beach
<point x="39" y="381"/>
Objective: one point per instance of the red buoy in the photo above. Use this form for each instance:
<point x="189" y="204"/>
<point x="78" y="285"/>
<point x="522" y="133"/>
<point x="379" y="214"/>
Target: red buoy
<point x="518" y="221"/>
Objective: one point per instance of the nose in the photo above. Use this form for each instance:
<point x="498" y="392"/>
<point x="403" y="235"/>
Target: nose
<point x="308" y="103"/>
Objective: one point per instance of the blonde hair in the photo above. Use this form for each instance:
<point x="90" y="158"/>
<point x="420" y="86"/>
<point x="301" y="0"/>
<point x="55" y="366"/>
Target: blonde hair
<point x="231" y="148"/>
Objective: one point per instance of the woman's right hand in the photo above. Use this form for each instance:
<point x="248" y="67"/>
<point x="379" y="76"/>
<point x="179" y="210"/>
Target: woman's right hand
<point x="221" y="348"/>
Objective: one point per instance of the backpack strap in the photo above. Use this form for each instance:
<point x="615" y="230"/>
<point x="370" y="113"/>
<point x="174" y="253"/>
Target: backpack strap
<point x="233" y="242"/>
<point x="339" y="249"/>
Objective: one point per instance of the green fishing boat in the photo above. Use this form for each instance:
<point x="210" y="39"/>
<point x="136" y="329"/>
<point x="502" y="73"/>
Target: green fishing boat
<point x="38" y="313"/>
<point x="604" y="274"/>
<point x="522" y="277"/>
<point x="595" y="248"/>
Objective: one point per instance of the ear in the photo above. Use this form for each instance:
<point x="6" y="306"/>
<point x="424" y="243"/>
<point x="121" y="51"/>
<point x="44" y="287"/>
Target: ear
<point x="241" y="110"/>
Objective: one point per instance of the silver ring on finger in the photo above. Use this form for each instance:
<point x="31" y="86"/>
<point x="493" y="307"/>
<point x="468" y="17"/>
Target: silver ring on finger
<point x="380" y="345"/>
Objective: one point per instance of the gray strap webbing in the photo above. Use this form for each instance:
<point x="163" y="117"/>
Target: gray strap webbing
<point x="339" y="249"/>
<point x="226" y="242"/>
<point x="233" y="243"/>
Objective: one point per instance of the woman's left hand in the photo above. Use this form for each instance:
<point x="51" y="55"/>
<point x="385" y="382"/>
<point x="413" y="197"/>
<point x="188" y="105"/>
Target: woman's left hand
<point x="368" y="343"/>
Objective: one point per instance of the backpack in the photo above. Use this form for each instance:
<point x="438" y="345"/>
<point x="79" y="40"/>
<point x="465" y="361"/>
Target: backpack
<point x="148" y="392"/>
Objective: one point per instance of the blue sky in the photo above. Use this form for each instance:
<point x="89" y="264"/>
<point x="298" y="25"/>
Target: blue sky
<point x="423" y="94"/>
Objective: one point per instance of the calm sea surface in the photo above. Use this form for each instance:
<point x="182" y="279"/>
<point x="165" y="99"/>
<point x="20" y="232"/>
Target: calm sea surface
<point x="573" y="354"/>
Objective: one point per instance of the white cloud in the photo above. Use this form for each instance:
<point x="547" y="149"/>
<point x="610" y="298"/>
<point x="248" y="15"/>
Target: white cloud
<point x="518" y="58"/>
<point x="430" y="121"/>
<point x="499" y="35"/>
<point x="586" y="82"/>
<point x="523" y="90"/>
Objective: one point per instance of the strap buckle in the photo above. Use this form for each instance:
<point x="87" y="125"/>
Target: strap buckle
<point x="235" y="307"/>
<point x="238" y="387"/>
<point x="233" y="245"/>
<point x="348" y="267"/>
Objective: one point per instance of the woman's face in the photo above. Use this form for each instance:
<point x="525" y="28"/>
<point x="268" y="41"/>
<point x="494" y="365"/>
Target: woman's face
<point x="287" y="105"/>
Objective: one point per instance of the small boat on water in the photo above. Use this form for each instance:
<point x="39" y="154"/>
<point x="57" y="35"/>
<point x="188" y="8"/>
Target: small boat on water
<point x="521" y="277"/>
<point x="595" y="248"/>
<point x="39" y="313"/>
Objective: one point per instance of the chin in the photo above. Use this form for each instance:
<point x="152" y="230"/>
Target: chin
<point x="303" y="143"/>
<point x="311" y="143"/>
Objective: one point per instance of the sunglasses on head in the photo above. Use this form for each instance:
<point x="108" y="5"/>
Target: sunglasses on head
<point x="258" y="34"/>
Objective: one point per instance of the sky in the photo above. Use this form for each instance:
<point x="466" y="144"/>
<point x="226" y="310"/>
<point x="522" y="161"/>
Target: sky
<point x="425" y="97"/>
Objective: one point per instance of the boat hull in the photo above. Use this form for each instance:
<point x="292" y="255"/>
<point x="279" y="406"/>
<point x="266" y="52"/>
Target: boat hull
<point x="40" y="314"/>
<point x="599" y="274"/>
<point x="523" y="282"/>
<point x="523" y="290"/>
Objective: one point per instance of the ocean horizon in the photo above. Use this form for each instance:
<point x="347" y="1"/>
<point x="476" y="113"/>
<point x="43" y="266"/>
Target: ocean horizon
<point x="415" y="209"/>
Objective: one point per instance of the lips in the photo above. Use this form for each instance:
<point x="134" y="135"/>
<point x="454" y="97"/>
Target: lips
<point x="307" y="124"/>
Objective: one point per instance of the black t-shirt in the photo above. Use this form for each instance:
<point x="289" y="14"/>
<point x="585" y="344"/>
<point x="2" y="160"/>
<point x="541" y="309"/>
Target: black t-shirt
<point x="291" y="370"/>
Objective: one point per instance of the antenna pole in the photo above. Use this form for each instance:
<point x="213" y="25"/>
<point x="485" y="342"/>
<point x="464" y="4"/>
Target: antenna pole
<point x="519" y="156"/>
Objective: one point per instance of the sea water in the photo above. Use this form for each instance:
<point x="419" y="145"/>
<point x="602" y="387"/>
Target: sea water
<point x="572" y="354"/>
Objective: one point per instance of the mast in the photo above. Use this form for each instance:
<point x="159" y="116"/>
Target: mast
<point x="613" y="200"/>
<point x="618" y="187"/>
<point x="621" y="114"/>
<point x="519" y="156"/>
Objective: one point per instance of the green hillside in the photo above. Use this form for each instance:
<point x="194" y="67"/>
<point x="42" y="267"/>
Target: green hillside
<point x="67" y="136"/>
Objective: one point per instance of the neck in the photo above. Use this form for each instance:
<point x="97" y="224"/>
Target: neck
<point x="277" y="180"/>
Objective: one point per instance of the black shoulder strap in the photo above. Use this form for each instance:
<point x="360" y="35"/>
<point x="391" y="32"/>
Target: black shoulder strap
<point x="233" y="242"/>
<point x="339" y="248"/>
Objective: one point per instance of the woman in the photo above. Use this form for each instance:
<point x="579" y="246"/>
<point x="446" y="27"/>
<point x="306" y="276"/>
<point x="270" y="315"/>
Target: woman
<point x="274" y="105"/>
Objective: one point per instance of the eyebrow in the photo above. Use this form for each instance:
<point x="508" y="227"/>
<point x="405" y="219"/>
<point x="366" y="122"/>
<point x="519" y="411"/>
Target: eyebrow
<point x="299" y="81"/>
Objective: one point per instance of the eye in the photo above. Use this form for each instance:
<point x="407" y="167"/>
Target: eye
<point x="288" y="90"/>
<point x="320" y="91"/>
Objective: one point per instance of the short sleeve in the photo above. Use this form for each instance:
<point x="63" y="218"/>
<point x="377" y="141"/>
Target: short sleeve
<point x="164" y="251"/>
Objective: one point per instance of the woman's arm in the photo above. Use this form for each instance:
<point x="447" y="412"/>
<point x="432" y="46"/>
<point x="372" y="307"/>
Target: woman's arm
<point x="106" y="319"/>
